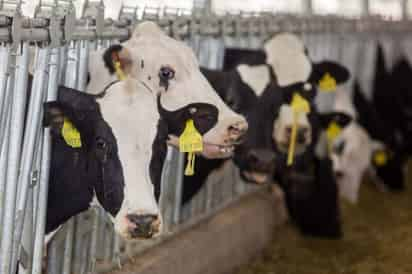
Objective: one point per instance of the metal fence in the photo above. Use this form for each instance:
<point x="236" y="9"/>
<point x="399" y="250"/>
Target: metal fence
<point x="87" y="243"/>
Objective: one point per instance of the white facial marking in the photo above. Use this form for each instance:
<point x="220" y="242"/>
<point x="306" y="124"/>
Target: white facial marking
<point x="133" y="118"/>
<point x="285" y="52"/>
<point x="256" y="77"/>
<point x="285" y="120"/>
<point x="353" y="162"/>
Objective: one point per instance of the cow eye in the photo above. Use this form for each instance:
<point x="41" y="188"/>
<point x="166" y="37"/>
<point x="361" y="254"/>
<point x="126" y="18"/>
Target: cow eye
<point x="167" y="73"/>
<point x="101" y="143"/>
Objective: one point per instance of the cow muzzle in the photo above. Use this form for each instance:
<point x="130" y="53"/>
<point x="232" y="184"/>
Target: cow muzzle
<point x="143" y="226"/>
<point x="220" y="141"/>
<point x="260" y="166"/>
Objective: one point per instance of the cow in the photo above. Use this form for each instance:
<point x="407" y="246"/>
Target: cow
<point x="261" y="89"/>
<point x="159" y="77"/>
<point x="310" y="187"/>
<point x="388" y="144"/>
<point x="351" y="151"/>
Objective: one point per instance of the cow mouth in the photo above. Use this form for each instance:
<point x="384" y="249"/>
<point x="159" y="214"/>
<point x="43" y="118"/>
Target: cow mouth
<point x="254" y="177"/>
<point x="284" y="147"/>
<point x="213" y="151"/>
<point x="210" y="151"/>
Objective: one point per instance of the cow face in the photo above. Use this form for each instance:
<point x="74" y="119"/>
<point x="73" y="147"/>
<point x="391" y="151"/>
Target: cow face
<point x="351" y="155"/>
<point x="156" y="63"/>
<point x="89" y="166"/>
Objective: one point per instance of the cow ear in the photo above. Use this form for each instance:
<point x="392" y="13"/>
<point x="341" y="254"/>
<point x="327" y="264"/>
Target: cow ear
<point x="117" y="60"/>
<point x="339" y="118"/>
<point x="57" y="116"/>
<point x="327" y="75"/>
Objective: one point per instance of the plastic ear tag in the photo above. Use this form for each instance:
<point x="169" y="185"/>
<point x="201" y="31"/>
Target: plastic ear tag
<point x="333" y="131"/>
<point x="190" y="141"/>
<point x="327" y="83"/>
<point x="119" y="72"/>
<point x="299" y="105"/>
<point x="380" y="158"/>
<point x="70" y="134"/>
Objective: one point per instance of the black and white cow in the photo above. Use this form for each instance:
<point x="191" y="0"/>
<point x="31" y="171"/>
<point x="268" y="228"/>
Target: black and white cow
<point x="310" y="187"/>
<point x="387" y="142"/>
<point x="351" y="152"/>
<point x="261" y="89"/>
<point x="162" y="79"/>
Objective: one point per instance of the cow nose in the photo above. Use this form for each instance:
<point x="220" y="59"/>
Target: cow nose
<point x="237" y="130"/>
<point x="143" y="226"/>
<point x="262" y="159"/>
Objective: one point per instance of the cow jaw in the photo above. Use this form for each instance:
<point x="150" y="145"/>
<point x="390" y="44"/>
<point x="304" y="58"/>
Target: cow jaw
<point x="133" y="118"/>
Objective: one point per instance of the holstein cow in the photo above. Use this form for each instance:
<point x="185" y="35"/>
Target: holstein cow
<point x="262" y="92"/>
<point x="351" y="151"/>
<point x="310" y="188"/>
<point x="388" y="147"/>
<point x="160" y="83"/>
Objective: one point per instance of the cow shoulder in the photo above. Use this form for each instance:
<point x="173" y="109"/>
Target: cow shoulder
<point x="256" y="77"/>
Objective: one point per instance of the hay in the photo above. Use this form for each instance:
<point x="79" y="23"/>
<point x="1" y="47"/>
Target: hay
<point x="378" y="239"/>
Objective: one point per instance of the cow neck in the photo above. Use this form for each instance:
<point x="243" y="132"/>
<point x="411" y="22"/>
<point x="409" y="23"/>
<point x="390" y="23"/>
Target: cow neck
<point x="104" y="91"/>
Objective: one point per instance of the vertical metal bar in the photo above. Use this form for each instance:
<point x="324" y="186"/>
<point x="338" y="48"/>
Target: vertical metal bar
<point x="4" y="68"/>
<point x="45" y="166"/>
<point x="365" y="8"/>
<point x="83" y="65"/>
<point x="70" y="79"/>
<point x="16" y="133"/>
<point x="307" y="7"/>
<point x="5" y="145"/>
<point x="32" y="126"/>
<point x="68" y="247"/>
<point x="405" y="12"/>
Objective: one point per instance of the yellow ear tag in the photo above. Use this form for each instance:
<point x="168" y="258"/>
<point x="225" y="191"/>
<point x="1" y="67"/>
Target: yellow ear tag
<point x="299" y="105"/>
<point x="119" y="72"/>
<point x="70" y="134"/>
<point x="327" y="83"/>
<point x="380" y="158"/>
<point x="332" y="133"/>
<point x="190" y="141"/>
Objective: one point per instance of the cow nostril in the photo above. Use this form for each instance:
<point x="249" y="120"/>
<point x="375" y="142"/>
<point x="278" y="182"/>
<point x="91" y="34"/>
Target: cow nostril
<point x="144" y="226"/>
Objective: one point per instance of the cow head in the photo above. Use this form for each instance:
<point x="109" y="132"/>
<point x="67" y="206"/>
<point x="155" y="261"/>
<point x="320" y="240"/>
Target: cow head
<point x="295" y="74"/>
<point x="85" y="159"/>
<point x="162" y="65"/>
<point x="160" y="88"/>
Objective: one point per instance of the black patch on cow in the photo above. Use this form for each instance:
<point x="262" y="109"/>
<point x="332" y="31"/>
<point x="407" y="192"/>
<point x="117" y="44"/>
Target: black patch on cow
<point x="311" y="196"/>
<point x="235" y="56"/>
<point x="391" y="174"/>
<point x="173" y="123"/>
<point x="108" y="57"/>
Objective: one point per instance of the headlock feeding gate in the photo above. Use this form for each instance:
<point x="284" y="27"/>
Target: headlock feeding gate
<point x="54" y="46"/>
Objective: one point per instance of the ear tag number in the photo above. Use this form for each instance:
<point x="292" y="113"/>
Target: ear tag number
<point x="190" y="141"/>
<point x="380" y="158"/>
<point x="332" y="133"/>
<point x="299" y="105"/>
<point x="70" y="134"/>
<point x="327" y="83"/>
<point x="119" y="72"/>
